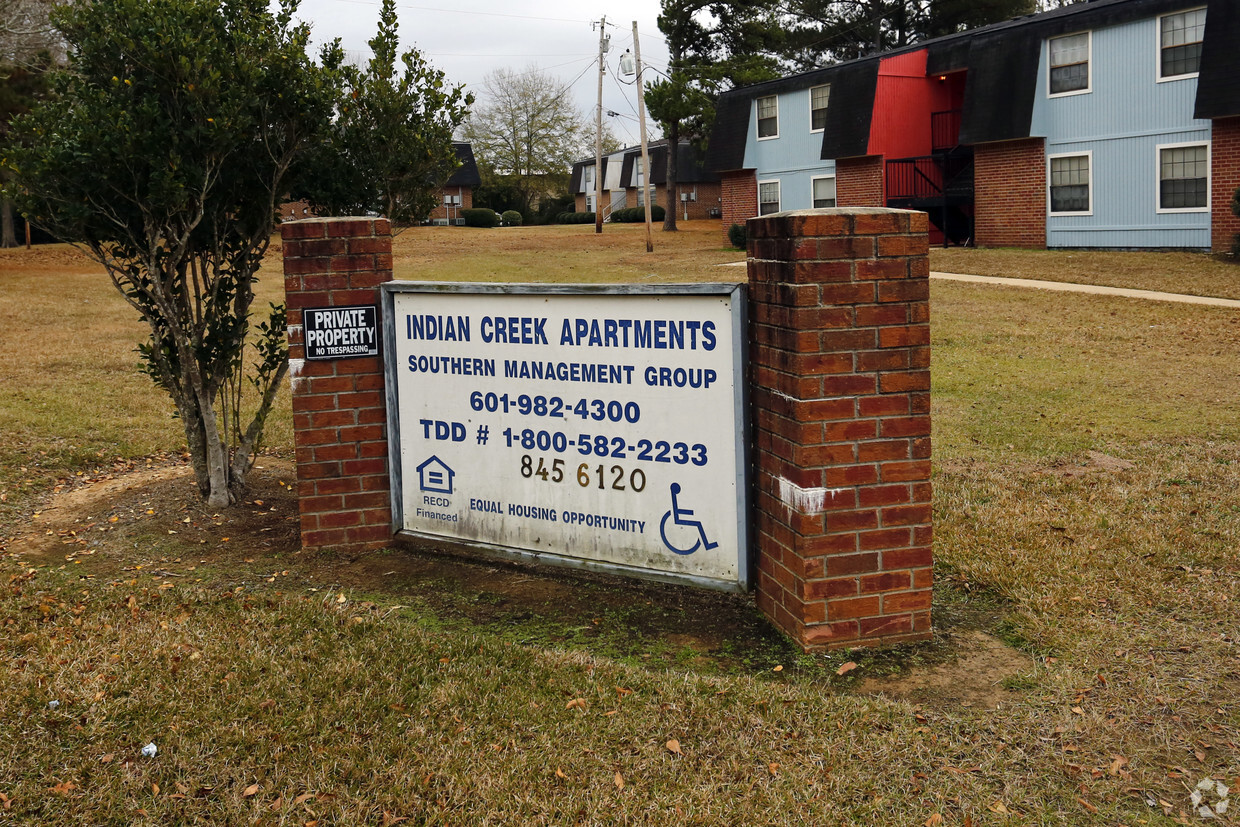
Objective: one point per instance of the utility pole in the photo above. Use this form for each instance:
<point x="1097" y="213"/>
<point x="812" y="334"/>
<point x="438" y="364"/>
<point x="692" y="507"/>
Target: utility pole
<point x="598" y="129"/>
<point x="641" y="117"/>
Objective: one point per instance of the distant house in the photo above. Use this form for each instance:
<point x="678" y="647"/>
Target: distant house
<point x="697" y="189"/>
<point x="1111" y="124"/>
<point x="458" y="193"/>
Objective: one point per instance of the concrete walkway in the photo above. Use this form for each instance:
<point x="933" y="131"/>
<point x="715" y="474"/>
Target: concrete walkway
<point x="1070" y="287"/>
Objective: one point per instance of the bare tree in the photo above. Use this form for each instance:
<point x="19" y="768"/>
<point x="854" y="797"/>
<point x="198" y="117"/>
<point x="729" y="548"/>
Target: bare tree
<point x="527" y="132"/>
<point x="26" y="32"/>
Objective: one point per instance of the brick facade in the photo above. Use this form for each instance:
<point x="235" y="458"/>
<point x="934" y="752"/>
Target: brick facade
<point x="1009" y="184"/>
<point x="859" y="182"/>
<point x="339" y="411"/>
<point x="708" y="198"/>
<point x="840" y="354"/>
<point x="442" y="212"/>
<point x="739" y="191"/>
<point x="1224" y="179"/>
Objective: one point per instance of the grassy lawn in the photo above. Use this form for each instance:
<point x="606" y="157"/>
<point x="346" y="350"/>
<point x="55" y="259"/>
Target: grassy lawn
<point x="1087" y="472"/>
<point x="1197" y="274"/>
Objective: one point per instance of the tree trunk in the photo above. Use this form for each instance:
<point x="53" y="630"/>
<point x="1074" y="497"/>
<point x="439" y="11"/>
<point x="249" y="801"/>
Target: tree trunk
<point x="673" y="150"/>
<point x="8" y="232"/>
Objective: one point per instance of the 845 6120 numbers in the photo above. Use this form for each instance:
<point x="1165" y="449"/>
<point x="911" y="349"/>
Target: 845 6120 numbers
<point x="600" y="476"/>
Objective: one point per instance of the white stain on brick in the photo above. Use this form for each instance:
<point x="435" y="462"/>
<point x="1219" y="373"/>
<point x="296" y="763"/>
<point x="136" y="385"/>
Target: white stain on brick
<point x="294" y="372"/>
<point x="806" y="500"/>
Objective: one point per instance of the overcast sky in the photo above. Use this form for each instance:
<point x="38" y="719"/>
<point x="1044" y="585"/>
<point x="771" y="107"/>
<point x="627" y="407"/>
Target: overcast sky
<point x="469" y="38"/>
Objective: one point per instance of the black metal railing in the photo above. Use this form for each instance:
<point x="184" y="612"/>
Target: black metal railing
<point x="914" y="178"/>
<point x="945" y="130"/>
<point x="928" y="176"/>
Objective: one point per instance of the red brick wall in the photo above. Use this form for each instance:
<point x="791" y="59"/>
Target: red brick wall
<point x="708" y="198"/>
<point x="859" y="182"/>
<point x="1009" y="184"/>
<point x="840" y="360"/>
<point x="739" y="191"/>
<point x="1224" y="178"/>
<point x="467" y="203"/>
<point x="339" y="413"/>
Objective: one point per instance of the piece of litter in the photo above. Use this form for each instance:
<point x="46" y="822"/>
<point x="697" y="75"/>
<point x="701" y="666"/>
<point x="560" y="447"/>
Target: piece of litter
<point x="149" y="750"/>
<point x="53" y="704"/>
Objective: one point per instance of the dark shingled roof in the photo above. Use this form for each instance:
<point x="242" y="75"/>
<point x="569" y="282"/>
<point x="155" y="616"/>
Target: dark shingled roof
<point x="689" y="165"/>
<point x="1002" y="59"/>
<point x="466" y="174"/>
<point x="846" y="133"/>
<point x="1218" y="84"/>
<point x="727" y="140"/>
<point x="999" y="88"/>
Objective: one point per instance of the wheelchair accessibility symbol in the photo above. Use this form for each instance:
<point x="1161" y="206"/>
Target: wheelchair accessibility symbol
<point x="680" y="538"/>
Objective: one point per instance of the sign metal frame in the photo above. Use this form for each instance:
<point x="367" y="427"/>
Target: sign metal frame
<point x="736" y="295"/>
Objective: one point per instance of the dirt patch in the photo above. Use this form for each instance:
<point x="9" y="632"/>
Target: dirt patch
<point x="978" y="678"/>
<point x="155" y="514"/>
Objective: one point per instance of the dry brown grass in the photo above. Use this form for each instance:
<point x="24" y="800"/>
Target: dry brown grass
<point x="1087" y="472"/>
<point x="1196" y="274"/>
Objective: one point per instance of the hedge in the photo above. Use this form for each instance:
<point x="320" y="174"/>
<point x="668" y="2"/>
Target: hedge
<point x="511" y="218"/>
<point x="576" y="218"/>
<point x="480" y="217"/>
<point x="636" y="215"/>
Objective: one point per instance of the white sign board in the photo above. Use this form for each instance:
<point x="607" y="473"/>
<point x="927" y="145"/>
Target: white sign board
<point x="585" y="425"/>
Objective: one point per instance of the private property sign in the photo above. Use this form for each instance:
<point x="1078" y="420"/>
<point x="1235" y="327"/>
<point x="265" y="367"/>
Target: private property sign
<point x="340" y="332"/>
<point x="586" y="425"/>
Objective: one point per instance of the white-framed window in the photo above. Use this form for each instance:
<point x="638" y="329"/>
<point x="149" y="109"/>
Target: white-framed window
<point x="768" y="117"/>
<point x="1183" y="177"/>
<point x="1071" y="184"/>
<point x="768" y="197"/>
<point x="819" y="97"/>
<point x="641" y="196"/>
<point x="638" y="172"/>
<point x="590" y="201"/>
<point x="587" y="179"/>
<point x="1069" y="64"/>
<point x="823" y="191"/>
<point x="1179" y="44"/>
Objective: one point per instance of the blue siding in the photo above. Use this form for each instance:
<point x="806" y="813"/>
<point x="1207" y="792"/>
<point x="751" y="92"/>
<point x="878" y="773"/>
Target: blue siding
<point x="1121" y="122"/>
<point x="794" y="157"/>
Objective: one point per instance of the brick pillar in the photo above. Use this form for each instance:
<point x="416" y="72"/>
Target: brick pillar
<point x="1224" y="178"/>
<point x="339" y="413"/>
<point x="859" y="182"/>
<point x="840" y="354"/>
<point x="1009" y="184"/>
<point x="739" y="194"/>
